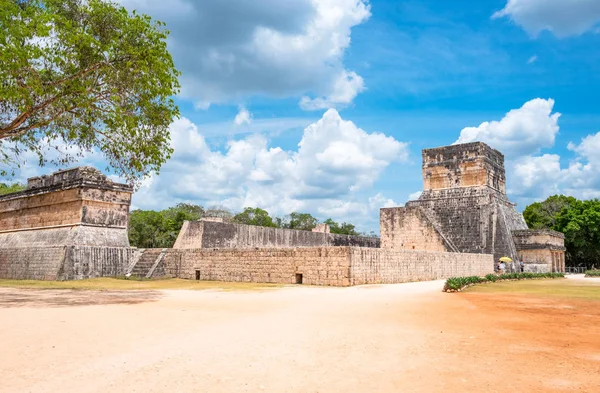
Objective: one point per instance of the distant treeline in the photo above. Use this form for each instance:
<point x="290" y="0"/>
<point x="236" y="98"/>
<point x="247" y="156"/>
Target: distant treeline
<point x="152" y="229"/>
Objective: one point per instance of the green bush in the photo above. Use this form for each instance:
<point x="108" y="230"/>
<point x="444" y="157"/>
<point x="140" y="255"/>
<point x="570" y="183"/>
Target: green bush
<point x="458" y="283"/>
<point x="592" y="273"/>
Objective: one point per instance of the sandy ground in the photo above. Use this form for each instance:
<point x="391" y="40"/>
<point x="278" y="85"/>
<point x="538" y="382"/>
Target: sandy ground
<point x="394" y="338"/>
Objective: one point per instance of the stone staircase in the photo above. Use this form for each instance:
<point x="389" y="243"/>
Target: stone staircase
<point x="149" y="264"/>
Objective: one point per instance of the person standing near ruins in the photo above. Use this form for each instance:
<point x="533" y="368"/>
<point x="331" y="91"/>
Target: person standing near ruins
<point x="522" y="265"/>
<point x="501" y="267"/>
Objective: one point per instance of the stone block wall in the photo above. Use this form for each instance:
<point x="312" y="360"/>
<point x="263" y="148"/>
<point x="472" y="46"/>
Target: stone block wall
<point x="335" y="266"/>
<point x="409" y="229"/>
<point x="318" y="265"/>
<point x="371" y="266"/>
<point x="60" y="204"/>
<point x="63" y="262"/>
<point x="33" y="263"/>
<point x="541" y="247"/>
<point x="464" y="165"/>
<point x="208" y="234"/>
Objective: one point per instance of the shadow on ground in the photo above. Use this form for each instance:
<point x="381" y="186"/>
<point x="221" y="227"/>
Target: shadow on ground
<point x="10" y="297"/>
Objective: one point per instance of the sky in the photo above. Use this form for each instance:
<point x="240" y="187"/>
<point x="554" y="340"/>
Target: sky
<point x="323" y="106"/>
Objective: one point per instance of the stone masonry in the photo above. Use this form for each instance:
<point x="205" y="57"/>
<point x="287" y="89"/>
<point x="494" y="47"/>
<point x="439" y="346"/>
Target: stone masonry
<point x="211" y="234"/>
<point x="463" y="208"/>
<point x="70" y="224"/>
<point x="335" y="266"/>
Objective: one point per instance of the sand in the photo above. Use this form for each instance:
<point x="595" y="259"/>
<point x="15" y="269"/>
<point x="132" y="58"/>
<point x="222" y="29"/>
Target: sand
<point x="393" y="338"/>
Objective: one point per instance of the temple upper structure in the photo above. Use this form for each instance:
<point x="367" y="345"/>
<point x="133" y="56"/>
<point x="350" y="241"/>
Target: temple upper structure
<point x="79" y="206"/>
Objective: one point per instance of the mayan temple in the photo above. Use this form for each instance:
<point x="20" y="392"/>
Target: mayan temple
<point x="464" y="208"/>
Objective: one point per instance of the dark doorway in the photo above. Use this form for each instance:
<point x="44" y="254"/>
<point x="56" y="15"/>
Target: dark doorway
<point x="198" y="275"/>
<point x="298" y="278"/>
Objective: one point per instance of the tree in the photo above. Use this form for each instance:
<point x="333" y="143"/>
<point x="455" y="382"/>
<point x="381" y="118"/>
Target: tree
<point x="151" y="229"/>
<point x="302" y="221"/>
<point x="85" y="74"/>
<point x="544" y="214"/>
<point x="343" y="229"/>
<point x="580" y="223"/>
<point x="10" y="188"/>
<point x="578" y="220"/>
<point x="147" y="229"/>
<point x="254" y="216"/>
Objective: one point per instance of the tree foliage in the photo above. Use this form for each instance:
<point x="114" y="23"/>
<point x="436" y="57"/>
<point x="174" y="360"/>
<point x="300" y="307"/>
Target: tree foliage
<point x="341" y="229"/>
<point x="254" y="216"/>
<point x="10" y="188"/>
<point x="302" y="221"/>
<point x="85" y="74"/>
<point x="578" y="220"/>
<point x="151" y="229"/>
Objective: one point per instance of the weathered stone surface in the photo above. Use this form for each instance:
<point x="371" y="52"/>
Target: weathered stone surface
<point x="79" y="206"/>
<point x="336" y="266"/>
<point x="464" y="165"/>
<point x="206" y="234"/>
<point x="381" y="266"/>
<point x="539" y="248"/>
<point x="463" y="208"/>
<point x="63" y="262"/>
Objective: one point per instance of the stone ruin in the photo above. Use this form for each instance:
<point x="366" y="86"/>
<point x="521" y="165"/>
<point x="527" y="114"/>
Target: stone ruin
<point x="464" y="209"/>
<point x="73" y="225"/>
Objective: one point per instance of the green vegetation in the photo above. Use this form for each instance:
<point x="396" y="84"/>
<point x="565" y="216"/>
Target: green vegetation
<point x="458" y="283"/>
<point x="10" y="188"/>
<point x="592" y="273"/>
<point x="567" y="289"/>
<point x="106" y="283"/>
<point x="88" y="75"/>
<point x="152" y="229"/>
<point x="578" y="220"/>
<point x="341" y="229"/>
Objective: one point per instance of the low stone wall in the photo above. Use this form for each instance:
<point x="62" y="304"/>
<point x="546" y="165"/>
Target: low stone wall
<point x="372" y="266"/>
<point x="318" y="266"/>
<point x="210" y="234"/>
<point x="336" y="266"/>
<point x="63" y="262"/>
<point x="35" y="263"/>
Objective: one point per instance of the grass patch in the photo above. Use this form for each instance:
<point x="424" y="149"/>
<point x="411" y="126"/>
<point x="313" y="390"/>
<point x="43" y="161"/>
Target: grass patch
<point x="592" y="273"/>
<point x="573" y="289"/>
<point x="106" y="283"/>
<point x="455" y="284"/>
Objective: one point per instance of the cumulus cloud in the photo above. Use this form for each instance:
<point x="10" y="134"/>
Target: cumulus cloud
<point x="243" y="117"/>
<point x="521" y="131"/>
<point x="335" y="162"/>
<point x="562" y="17"/>
<point x="228" y="49"/>
<point x="378" y="201"/>
<point x="537" y="177"/>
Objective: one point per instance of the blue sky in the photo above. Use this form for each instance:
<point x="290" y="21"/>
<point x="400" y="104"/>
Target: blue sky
<point x="324" y="106"/>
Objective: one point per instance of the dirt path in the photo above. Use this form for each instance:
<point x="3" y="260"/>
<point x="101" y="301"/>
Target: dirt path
<point x="395" y="338"/>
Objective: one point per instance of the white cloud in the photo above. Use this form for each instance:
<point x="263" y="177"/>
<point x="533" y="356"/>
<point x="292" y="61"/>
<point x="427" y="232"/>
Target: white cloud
<point x="227" y="50"/>
<point x="537" y="177"/>
<point x="521" y="131"/>
<point x="532" y="59"/>
<point x="243" y="117"/>
<point x="562" y="17"/>
<point x="335" y="163"/>
<point x="345" y="88"/>
<point x="378" y="201"/>
<point x="415" y="195"/>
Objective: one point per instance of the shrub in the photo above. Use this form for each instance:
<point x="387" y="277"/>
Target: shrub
<point x="458" y="283"/>
<point x="592" y="273"/>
